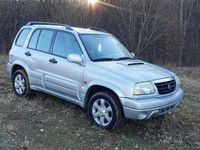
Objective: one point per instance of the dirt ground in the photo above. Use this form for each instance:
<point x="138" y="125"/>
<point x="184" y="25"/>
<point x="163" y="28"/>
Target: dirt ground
<point x="46" y="122"/>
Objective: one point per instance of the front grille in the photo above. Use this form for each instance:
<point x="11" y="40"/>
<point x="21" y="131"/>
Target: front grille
<point x="166" y="109"/>
<point x="166" y="87"/>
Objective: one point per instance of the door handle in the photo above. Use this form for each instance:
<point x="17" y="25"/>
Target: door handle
<point x="53" y="61"/>
<point x="28" y="53"/>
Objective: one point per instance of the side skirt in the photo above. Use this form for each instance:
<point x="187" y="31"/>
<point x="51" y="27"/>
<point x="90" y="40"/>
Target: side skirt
<point x="64" y="97"/>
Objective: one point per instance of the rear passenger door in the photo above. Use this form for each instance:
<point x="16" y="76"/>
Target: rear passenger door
<point x="65" y="77"/>
<point x="38" y="55"/>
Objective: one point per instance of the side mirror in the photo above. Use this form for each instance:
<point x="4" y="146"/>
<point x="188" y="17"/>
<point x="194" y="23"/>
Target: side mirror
<point x="133" y="55"/>
<point x="74" y="58"/>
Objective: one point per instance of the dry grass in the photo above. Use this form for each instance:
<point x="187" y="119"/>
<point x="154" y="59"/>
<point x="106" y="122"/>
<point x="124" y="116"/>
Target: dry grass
<point x="46" y="122"/>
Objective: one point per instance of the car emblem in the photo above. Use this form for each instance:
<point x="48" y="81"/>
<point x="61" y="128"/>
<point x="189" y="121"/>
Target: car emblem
<point x="169" y="87"/>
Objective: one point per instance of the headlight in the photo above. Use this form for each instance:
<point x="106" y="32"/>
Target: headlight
<point x="178" y="82"/>
<point x="143" y="89"/>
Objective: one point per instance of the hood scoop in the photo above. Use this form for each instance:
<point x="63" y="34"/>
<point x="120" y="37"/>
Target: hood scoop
<point x="131" y="63"/>
<point x="137" y="63"/>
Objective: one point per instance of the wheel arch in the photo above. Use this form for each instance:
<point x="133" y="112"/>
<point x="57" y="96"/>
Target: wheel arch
<point x="100" y="88"/>
<point x="17" y="66"/>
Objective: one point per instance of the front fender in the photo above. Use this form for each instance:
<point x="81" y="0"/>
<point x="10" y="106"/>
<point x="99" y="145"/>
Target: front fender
<point x="105" y="84"/>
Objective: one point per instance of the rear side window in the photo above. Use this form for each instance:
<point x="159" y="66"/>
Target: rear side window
<point x="34" y="39"/>
<point x="22" y="37"/>
<point x="44" y="41"/>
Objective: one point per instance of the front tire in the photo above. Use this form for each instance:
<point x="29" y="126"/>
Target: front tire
<point x="20" y="83"/>
<point x="104" y="110"/>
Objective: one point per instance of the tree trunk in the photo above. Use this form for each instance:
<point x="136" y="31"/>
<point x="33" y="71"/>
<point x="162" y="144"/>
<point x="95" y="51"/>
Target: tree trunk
<point x="182" y="34"/>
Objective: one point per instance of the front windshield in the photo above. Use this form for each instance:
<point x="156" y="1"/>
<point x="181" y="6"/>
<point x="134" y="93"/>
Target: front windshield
<point x="102" y="47"/>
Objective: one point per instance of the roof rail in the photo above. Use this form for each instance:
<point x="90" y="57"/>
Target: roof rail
<point x="98" y="29"/>
<point x="48" y="23"/>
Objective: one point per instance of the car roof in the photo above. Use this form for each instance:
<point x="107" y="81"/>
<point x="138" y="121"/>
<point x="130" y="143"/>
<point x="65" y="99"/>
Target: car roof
<point x="70" y="28"/>
<point x="88" y="31"/>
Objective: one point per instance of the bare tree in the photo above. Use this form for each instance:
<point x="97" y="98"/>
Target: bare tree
<point x="185" y="14"/>
<point x="158" y="31"/>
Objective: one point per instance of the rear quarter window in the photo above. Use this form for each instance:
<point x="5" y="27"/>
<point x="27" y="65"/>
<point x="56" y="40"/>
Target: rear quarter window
<point x="22" y="36"/>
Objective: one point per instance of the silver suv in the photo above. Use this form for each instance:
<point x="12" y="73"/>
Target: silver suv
<point x="91" y="68"/>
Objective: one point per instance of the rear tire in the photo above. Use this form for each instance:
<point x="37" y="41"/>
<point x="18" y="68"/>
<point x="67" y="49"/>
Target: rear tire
<point x="104" y="110"/>
<point x="20" y="83"/>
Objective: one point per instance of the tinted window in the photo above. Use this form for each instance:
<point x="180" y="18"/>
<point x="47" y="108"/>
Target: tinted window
<point x="65" y="44"/>
<point x="44" y="41"/>
<point x="22" y="37"/>
<point x="34" y="38"/>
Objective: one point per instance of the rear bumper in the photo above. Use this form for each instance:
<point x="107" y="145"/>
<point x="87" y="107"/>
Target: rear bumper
<point x="151" y="107"/>
<point x="9" y="68"/>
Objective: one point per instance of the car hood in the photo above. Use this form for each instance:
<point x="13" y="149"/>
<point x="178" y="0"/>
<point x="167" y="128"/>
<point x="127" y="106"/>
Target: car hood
<point x="137" y="70"/>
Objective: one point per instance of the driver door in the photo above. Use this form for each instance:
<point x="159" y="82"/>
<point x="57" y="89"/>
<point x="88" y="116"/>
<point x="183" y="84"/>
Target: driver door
<point x="64" y="77"/>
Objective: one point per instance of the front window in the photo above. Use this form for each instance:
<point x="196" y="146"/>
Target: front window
<point x="65" y="44"/>
<point x="104" y="47"/>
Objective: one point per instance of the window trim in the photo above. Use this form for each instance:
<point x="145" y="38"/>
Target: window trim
<point x="18" y="35"/>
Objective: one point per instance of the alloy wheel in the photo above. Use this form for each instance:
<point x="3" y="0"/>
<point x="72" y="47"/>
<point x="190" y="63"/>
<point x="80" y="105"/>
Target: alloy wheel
<point x="102" y="112"/>
<point x="19" y="84"/>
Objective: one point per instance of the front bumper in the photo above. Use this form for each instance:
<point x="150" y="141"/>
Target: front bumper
<point x="151" y="107"/>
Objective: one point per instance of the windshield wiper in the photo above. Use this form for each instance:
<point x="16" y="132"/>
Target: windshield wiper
<point x="124" y="58"/>
<point x="104" y="59"/>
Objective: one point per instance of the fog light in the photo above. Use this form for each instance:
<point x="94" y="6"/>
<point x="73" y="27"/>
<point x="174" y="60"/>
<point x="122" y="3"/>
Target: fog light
<point x="142" y="115"/>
